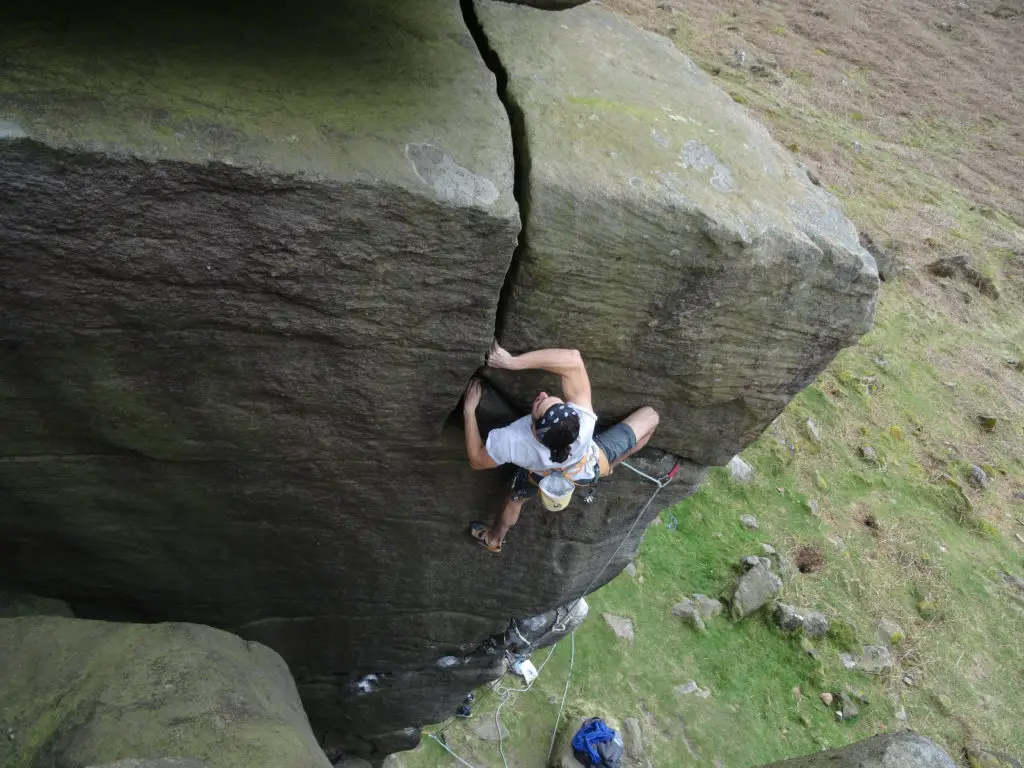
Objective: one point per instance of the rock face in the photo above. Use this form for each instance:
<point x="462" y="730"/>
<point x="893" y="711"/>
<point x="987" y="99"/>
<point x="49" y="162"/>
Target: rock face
<point x="890" y="750"/>
<point x="665" y="228"/>
<point x="754" y="588"/>
<point x="247" y="266"/>
<point x="90" y="693"/>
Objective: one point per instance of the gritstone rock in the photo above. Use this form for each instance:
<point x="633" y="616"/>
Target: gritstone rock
<point x="621" y="626"/>
<point x="875" y="659"/>
<point x="739" y="470"/>
<point x="235" y="327"/>
<point x="166" y="689"/>
<point x="815" y="624"/>
<point x="752" y="277"/>
<point x="787" y="617"/>
<point x="884" y="259"/>
<point x="889" y="750"/>
<point x="890" y="633"/>
<point x="755" y="588"/>
<point x="697" y="610"/>
<point x="15" y="604"/>
<point x="750" y="522"/>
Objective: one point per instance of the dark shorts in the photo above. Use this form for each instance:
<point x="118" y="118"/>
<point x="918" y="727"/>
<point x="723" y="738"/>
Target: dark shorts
<point x="615" y="442"/>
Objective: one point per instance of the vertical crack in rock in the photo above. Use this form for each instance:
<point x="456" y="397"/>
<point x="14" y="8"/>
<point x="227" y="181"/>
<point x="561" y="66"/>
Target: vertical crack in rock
<point x="520" y="154"/>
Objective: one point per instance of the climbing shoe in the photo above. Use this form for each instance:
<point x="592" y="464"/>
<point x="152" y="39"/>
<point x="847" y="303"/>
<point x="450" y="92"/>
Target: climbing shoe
<point x="479" y="532"/>
<point x="464" y="712"/>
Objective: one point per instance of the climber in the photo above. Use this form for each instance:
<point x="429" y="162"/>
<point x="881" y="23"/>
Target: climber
<point x="554" y="447"/>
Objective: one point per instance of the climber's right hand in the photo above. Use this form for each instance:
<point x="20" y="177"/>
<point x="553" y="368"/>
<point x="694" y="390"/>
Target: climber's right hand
<point x="499" y="357"/>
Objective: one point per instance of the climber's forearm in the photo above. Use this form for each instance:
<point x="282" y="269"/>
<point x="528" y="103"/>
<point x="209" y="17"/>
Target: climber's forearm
<point x="567" y="363"/>
<point x="476" y="451"/>
<point x="560" y="361"/>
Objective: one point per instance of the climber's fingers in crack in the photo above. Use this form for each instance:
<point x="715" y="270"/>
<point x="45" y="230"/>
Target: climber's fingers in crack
<point x="497" y="356"/>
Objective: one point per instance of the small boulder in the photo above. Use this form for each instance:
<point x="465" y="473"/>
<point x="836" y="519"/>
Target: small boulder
<point x="754" y="588"/>
<point x="847" y="660"/>
<point x="815" y="624"/>
<point x="768" y="549"/>
<point x="630" y="570"/>
<point x="988" y="423"/>
<point x="875" y="659"/>
<point x="812" y="431"/>
<point x="978" y="477"/>
<point x="868" y="454"/>
<point x="784" y="567"/>
<point x="826" y="699"/>
<point x="621" y="626"/>
<point x="688" y="611"/>
<point x="709" y="607"/>
<point x="848" y="707"/>
<point x="750" y="522"/>
<point x="890" y="633"/>
<point x="787" y="617"/>
<point x="884" y="258"/>
<point x="739" y="470"/>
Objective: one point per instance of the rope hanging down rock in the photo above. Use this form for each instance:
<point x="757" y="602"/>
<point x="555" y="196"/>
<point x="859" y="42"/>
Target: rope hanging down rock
<point x="505" y="693"/>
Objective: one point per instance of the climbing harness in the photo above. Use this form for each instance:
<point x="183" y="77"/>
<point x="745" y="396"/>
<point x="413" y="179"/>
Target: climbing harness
<point x="505" y="692"/>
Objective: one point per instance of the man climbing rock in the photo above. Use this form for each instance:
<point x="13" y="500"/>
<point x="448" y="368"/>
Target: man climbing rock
<point x="554" y="447"/>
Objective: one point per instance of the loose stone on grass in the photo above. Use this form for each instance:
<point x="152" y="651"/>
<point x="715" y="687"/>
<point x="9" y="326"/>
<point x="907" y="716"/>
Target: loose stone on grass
<point x="978" y="477"/>
<point x="848" y="707"/>
<point x="890" y="633"/>
<point x="750" y="522"/>
<point x="754" y="588"/>
<point x="621" y="626"/>
<point x="697" y="610"/>
<point x="815" y="625"/>
<point x="739" y="470"/>
<point x="875" y="659"/>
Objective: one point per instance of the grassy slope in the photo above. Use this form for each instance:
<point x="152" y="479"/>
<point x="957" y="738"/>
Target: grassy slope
<point x="932" y="175"/>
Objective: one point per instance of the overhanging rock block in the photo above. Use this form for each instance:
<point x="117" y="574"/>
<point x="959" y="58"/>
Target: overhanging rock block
<point x="666" y="234"/>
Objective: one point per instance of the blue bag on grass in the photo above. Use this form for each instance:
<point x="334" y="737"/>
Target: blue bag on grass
<point x="598" y="746"/>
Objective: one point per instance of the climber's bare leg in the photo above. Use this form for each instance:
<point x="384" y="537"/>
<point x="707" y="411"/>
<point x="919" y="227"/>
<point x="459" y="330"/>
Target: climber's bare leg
<point x="643" y="422"/>
<point x="504" y="521"/>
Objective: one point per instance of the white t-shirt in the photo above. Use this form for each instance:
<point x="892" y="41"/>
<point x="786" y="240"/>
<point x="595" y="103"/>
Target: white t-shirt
<point x="516" y="444"/>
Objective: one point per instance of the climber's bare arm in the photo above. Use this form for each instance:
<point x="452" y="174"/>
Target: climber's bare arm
<point x="475" y="448"/>
<point x="567" y="363"/>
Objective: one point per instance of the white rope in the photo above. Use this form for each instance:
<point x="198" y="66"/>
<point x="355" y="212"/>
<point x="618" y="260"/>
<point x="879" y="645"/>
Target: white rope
<point x="625" y="538"/>
<point x="565" y="694"/>
<point x="506" y="693"/>
<point x="446" y="749"/>
<point x="657" y="482"/>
